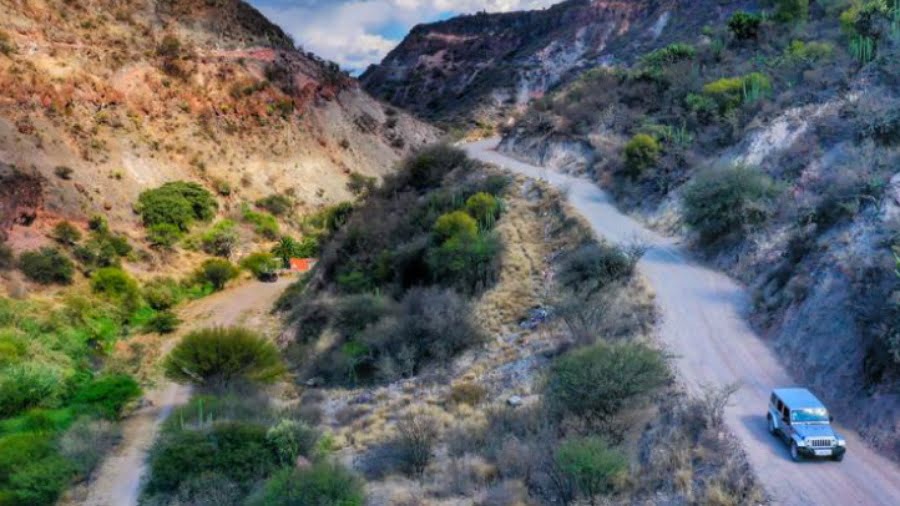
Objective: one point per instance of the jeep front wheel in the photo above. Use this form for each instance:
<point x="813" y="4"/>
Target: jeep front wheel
<point x="837" y="457"/>
<point x="795" y="452"/>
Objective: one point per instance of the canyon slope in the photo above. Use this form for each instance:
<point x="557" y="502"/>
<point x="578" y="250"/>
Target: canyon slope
<point x="480" y="67"/>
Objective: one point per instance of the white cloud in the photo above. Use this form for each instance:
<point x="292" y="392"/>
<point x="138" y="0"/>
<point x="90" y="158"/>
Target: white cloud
<point x="352" y="32"/>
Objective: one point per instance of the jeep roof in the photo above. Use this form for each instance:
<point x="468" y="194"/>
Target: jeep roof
<point x="798" y="398"/>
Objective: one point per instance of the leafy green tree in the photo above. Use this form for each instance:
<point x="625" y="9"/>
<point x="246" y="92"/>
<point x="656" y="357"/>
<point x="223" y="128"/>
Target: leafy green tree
<point x="641" y="153"/>
<point x="591" y="465"/>
<point x="596" y="382"/>
<point x="288" y="248"/>
<point x="221" y="356"/>
<point x="725" y="201"/>
<point x="217" y="272"/>
<point x="47" y="266"/>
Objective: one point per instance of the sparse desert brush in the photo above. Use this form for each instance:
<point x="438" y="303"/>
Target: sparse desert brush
<point x="467" y="393"/>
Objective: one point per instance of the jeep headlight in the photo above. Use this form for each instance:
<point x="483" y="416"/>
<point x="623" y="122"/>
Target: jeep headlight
<point x="841" y="442"/>
<point x="801" y="442"/>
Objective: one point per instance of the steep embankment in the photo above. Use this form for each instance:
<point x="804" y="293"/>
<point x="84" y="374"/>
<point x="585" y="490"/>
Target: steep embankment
<point x="100" y="102"/>
<point x="704" y="325"/>
<point x="477" y="68"/>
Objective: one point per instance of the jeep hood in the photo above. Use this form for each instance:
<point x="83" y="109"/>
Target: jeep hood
<point x="813" y="431"/>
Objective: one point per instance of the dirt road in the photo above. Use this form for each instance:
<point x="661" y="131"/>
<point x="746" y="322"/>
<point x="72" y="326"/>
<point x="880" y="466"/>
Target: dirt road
<point x="118" y="481"/>
<point x="704" y="325"/>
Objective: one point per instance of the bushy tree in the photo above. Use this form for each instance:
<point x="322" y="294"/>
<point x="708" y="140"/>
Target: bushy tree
<point x="221" y="356"/>
<point x="641" y="153"/>
<point x="47" y="266"/>
<point x="217" y="272"/>
<point x="596" y="382"/>
<point x="590" y="464"/>
<point x="291" y="439"/>
<point x="427" y="168"/>
<point x="177" y="203"/>
<point x="162" y="293"/>
<point x="744" y="25"/>
<point x="594" y="266"/>
<point x="720" y="202"/>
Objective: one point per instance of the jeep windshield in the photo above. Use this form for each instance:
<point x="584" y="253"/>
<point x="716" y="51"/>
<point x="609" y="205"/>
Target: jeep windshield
<point x="809" y="415"/>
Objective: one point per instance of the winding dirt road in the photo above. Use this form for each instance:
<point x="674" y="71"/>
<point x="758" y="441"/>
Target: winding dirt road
<point x="704" y="325"/>
<point x="118" y="481"/>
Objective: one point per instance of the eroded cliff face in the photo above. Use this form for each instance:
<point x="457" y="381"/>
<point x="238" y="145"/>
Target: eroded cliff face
<point x="479" y="67"/>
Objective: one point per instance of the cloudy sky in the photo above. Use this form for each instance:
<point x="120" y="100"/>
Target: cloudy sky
<point x="356" y="33"/>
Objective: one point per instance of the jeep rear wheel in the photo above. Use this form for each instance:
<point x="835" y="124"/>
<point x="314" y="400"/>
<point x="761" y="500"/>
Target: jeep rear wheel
<point x="795" y="452"/>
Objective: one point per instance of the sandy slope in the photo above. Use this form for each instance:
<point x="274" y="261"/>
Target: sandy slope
<point x="704" y="325"/>
<point x="118" y="480"/>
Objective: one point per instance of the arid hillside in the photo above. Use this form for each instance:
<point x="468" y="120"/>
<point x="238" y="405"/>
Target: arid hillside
<point x="473" y="70"/>
<point x="101" y="100"/>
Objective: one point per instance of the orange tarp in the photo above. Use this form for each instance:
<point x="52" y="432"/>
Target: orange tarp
<point x="302" y="264"/>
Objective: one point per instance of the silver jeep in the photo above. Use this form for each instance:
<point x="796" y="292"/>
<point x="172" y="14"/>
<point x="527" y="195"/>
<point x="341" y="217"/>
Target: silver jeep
<point x="801" y="420"/>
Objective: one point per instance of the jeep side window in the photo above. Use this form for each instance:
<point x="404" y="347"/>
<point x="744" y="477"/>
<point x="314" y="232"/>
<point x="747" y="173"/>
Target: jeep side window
<point x="784" y="413"/>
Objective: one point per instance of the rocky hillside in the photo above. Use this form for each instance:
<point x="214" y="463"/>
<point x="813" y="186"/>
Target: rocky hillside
<point x="476" y="68"/>
<point x="770" y="142"/>
<point x="100" y="102"/>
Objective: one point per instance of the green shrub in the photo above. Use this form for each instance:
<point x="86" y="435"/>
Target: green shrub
<point x="353" y="280"/>
<point x="590" y="464"/>
<point x="641" y="153"/>
<point x="457" y="224"/>
<point x="484" y="207"/>
<point x="276" y="204"/>
<point x="238" y="451"/>
<point x="47" y="266"/>
<point x="40" y="482"/>
<point x="24" y="386"/>
<point x="163" y="322"/>
<point x="291" y="439"/>
<point x="322" y="484"/>
<point x="470" y="263"/>
<point x="289" y="248"/>
<point x="261" y="264"/>
<point x="66" y="234"/>
<point x="164" y="235"/>
<point x="673" y="53"/>
<point x="162" y="293"/>
<point x="329" y="220"/>
<point x="220" y="239"/>
<point x="103" y="249"/>
<point x="116" y="284"/>
<point x="810" y="51"/>
<point x="789" y="11"/>
<point x="178" y="203"/>
<point x="427" y="168"/>
<point x="217" y="272"/>
<point x="596" y="382"/>
<point x="704" y="108"/>
<point x="108" y="395"/>
<point x="594" y="266"/>
<point x="222" y="356"/>
<point x="264" y="224"/>
<point x="730" y="92"/>
<point x="720" y="202"/>
<point x="744" y="25"/>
